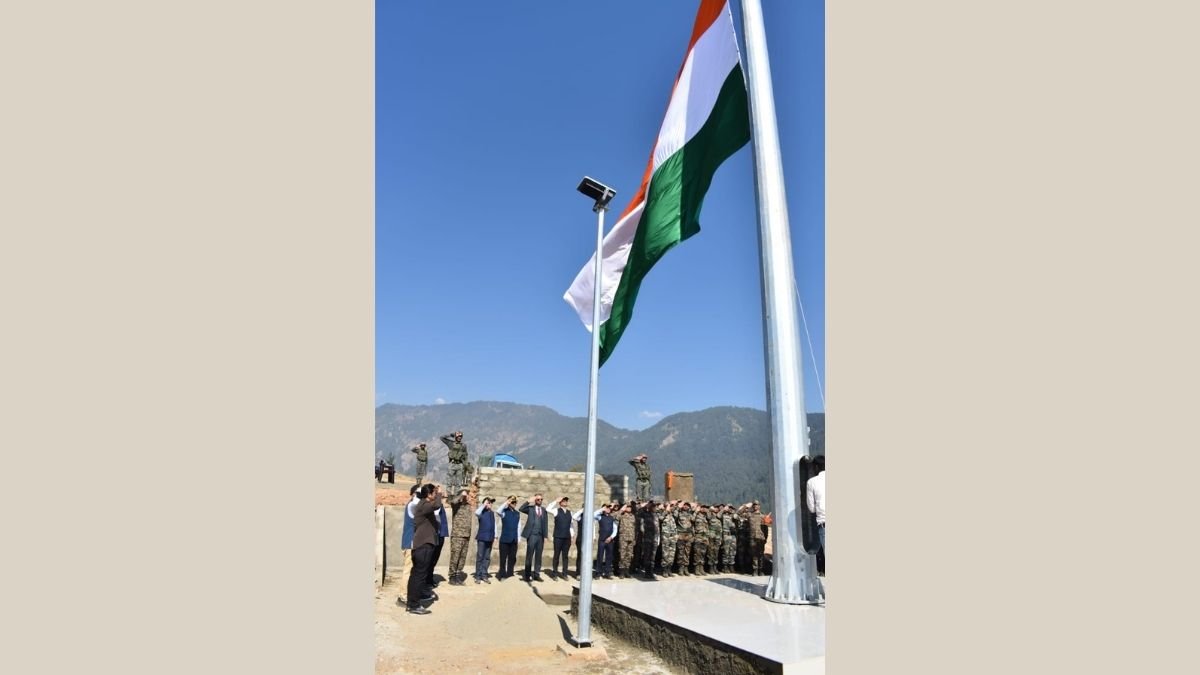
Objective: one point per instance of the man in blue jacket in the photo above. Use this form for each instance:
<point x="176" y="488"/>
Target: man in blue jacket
<point x="485" y="534"/>
<point x="562" y="538"/>
<point x="510" y="526"/>
<point x="606" y="532"/>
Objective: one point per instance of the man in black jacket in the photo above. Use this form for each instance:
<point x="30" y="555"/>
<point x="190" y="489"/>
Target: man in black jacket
<point x="562" y="538"/>
<point x="425" y="533"/>
<point x="648" y="522"/>
<point x="536" y="529"/>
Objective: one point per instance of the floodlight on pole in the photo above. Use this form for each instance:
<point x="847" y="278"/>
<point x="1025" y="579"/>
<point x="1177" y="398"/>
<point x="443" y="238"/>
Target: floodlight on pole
<point x="598" y="192"/>
<point x="601" y="194"/>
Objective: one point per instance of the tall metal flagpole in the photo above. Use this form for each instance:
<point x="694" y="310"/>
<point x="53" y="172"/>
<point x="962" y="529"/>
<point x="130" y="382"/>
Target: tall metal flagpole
<point x="583" y="637"/>
<point x="793" y="577"/>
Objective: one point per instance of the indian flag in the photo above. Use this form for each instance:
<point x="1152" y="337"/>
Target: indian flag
<point x="707" y="120"/>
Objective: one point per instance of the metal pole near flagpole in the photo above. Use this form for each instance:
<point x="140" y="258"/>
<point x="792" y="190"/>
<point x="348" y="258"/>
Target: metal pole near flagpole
<point x="602" y="194"/>
<point x="793" y="576"/>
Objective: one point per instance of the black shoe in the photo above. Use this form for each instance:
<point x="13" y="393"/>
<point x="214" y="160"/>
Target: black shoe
<point x="538" y="578"/>
<point x="419" y="610"/>
<point x="487" y="580"/>
<point x="477" y="581"/>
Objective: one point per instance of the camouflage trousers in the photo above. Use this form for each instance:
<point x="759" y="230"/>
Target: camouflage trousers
<point x="756" y="554"/>
<point x="643" y="489"/>
<point x="714" y="552"/>
<point x="458" y="554"/>
<point x="457" y="478"/>
<point x="728" y="550"/>
<point x="699" y="552"/>
<point x="421" y="471"/>
<point x="683" y="551"/>
<point x="626" y="553"/>
<point x="668" y="552"/>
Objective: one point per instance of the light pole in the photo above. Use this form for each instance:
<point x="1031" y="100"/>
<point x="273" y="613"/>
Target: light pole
<point x="601" y="194"/>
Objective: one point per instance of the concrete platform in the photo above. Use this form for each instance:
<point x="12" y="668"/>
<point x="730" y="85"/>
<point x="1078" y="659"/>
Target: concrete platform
<point x="718" y="623"/>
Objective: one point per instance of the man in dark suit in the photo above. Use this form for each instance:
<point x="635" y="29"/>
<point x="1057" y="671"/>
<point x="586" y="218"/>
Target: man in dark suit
<point x="536" y="529"/>
<point x="425" y="532"/>
<point x="562" y="538"/>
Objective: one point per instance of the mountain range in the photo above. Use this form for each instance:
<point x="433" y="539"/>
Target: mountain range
<point x="726" y="448"/>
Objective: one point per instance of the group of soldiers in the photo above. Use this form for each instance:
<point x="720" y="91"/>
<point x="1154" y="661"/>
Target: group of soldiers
<point x="685" y="536"/>
<point x="670" y="538"/>
<point x="686" y="539"/>
<point x="460" y="467"/>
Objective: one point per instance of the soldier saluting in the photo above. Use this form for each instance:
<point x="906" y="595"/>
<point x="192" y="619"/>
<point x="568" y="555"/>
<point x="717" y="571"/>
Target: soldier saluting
<point x="422" y="462"/>
<point x="458" y="460"/>
<point x="641" y="466"/>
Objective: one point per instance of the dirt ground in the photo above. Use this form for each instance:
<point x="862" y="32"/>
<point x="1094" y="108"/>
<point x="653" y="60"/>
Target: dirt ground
<point x="388" y="494"/>
<point x="504" y="627"/>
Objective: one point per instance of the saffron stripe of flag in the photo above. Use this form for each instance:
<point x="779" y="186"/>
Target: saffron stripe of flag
<point x="707" y="120"/>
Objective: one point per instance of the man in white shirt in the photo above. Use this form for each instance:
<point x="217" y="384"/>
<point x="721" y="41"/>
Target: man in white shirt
<point x="815" y="496"/>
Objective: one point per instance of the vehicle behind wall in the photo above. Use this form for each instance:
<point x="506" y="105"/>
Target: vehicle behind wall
<point x="502" y="461"/>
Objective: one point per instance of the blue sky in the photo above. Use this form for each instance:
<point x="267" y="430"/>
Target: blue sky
<point x="487" y="115"/>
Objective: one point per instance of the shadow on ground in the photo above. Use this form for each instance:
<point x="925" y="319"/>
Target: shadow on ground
<point x="741" y="585"/>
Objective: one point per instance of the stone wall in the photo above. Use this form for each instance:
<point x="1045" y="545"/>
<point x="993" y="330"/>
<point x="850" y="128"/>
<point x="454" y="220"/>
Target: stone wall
<point x="682" y="486"/>
<point x="393" y="529"/>
<point x="500" y="483"/>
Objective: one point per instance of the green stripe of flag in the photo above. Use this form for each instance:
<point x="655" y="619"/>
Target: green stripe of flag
<point x="674" y="197"/>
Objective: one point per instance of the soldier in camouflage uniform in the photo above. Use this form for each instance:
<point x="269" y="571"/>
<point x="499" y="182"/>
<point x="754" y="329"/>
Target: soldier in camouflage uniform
<point x="728" y="538"/>
<point x="668" y="531"/>
<point x="641" y="466"/>
<point x="699" y="540"/>
<point x="626" y="536"/>
<point x="460" y="536"/>
<point x="758" y="539"/>
<point x="458" y="460"/>
<point x="714" y="539"/>
<point x="422" y="462"/>
<point x="683" y="547"/>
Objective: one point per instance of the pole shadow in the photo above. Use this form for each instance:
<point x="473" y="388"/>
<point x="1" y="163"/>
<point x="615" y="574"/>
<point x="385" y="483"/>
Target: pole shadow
<point x="741" y="585"/>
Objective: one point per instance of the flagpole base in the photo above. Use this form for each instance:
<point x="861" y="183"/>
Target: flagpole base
<point x="803" y="589"/>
